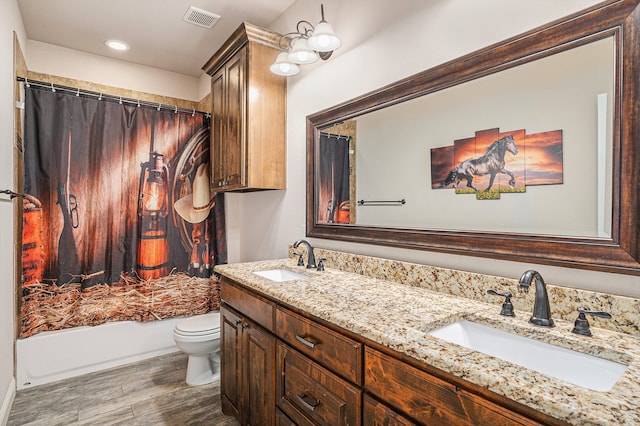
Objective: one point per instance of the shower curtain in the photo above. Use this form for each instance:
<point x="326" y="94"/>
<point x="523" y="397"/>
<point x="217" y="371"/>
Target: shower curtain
<point x="102" y="240"/>
<point x="333" y="175"/>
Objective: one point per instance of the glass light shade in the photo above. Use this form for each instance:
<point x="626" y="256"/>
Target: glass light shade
<point x="301" y="53"/>
<point x="283" y="67"/>
<point x="324" y="39"/>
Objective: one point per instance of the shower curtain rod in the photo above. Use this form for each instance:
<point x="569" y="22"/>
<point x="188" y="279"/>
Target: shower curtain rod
<point x="112" y="98"/>
<point x="335" y="135"/>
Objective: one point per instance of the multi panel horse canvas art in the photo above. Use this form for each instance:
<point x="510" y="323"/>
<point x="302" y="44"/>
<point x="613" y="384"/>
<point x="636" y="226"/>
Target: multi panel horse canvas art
<point x="494" y="162"/>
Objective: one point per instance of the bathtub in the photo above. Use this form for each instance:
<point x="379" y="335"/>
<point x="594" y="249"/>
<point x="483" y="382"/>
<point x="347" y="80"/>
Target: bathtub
<point x="56" y="355"/>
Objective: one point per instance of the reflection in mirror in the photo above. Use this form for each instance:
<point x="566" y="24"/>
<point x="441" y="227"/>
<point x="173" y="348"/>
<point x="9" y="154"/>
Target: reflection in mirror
<point x="336" y="174"/>
<point x="565" y="194"/>
<point x="570" y="92"/>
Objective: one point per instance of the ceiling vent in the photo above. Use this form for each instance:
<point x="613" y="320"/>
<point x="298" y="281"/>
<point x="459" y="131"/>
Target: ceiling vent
<point x="200" y="17"/>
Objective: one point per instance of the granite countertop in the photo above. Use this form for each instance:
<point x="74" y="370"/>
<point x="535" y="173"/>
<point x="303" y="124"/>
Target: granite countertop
<point x="397" y="316"/>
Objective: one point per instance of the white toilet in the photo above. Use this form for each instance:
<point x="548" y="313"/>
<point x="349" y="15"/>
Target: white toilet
<point x="199" y="337"/>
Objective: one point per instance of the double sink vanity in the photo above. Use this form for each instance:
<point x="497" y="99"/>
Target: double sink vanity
<point x="353" y="345"/>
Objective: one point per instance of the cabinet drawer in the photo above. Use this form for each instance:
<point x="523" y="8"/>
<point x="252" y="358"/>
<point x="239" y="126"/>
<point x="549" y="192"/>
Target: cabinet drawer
<point x="375" y="413"/>
<point x="429" y="399"/>
<point x="309" y="394"/>
<point x="329" y="348"/>
<point x="259" y="309"/>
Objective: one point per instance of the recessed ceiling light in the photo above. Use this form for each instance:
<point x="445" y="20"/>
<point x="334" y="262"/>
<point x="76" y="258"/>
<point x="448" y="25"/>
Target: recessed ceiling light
<point x="117" y="45"/>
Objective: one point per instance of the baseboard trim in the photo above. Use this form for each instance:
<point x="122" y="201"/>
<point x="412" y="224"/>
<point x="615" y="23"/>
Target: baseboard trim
<point x="7" y="402"/>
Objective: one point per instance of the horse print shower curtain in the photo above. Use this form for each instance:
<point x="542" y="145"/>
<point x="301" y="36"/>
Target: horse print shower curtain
<point x="102" y="238"/>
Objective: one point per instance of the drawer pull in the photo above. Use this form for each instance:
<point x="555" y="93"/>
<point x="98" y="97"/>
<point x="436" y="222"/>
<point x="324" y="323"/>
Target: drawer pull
<point x="304" y="398"/>
<point x="308" y="342"/>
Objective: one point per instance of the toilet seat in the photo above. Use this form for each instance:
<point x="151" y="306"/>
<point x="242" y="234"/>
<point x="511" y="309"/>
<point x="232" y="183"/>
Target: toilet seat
<point x="199" y="325"/>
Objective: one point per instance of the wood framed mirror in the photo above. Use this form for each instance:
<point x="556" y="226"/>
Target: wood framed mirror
<point x="578" y="77"/>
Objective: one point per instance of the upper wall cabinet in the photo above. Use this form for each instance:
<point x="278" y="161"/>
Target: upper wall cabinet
<point x="248" y="148"/>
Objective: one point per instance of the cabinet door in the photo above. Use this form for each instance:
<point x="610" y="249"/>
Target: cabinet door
<point x="217" y="128"/>
<point x="258" y="403"/>
<point x="234" y="158"/>
<point x="230" y="356"/>
<point x="228" y="140"/>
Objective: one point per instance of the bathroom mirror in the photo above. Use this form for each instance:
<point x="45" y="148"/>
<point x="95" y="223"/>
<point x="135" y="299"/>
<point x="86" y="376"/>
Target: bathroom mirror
<point x="377" y="166"/>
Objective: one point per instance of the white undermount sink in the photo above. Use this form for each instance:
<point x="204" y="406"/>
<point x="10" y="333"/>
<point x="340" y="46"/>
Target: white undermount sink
<point x="580" y="369"/>
<point x="281" y="275"/>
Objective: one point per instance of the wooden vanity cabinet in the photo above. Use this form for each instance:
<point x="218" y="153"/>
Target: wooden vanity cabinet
<point x="285" y="368"/>
<point x="247" y="358"/>
<point x="248" y="148"/>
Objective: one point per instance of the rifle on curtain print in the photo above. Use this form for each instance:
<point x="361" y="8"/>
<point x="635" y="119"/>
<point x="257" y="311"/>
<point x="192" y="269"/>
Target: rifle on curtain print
<point x="68" y="261"/>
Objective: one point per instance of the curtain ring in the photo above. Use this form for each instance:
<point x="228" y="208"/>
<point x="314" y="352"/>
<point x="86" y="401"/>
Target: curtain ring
<point x="193" y="114"/>
<point x="100" y="96"/>
<point x="159" y="105"/>
<point x="53" y="89"/>
<point x="176" y="110"/>
<point x="26" y="82"/>
<point x="120" y="101"/>
<point x="138" y="103"/>
<point x="78" y="92"/>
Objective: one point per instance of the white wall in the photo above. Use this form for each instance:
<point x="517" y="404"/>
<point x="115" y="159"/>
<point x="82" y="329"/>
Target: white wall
<point x="10" y="21"/>
<point x="382" y="44"/>
<point x="50" y="59"/>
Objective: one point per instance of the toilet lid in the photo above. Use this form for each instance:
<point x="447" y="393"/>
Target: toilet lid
<point x="199" y="324"/>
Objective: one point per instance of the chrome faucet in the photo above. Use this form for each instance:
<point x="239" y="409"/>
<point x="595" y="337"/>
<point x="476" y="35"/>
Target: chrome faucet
<point x="311" y="262"/>
<point x="541" y="309"/>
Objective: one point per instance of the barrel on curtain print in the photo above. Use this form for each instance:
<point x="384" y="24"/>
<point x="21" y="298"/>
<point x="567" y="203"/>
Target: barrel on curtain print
<point x="153" y="254"/>
<point x="32" y="242"/>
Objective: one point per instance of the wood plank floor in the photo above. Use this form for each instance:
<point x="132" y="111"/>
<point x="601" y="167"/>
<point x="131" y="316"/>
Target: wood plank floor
<point x="147" y="393"/>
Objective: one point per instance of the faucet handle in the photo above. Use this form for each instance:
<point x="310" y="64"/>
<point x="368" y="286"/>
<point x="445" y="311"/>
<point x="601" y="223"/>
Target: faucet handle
<point x="320" y="266"/>
<point x="300" y="260"/>
<point x="581" y="325"/>
<point x="507" y="306"/>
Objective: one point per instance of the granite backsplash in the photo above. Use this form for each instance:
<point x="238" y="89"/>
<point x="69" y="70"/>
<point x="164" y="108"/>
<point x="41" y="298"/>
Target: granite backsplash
<point x="564" y="301"/>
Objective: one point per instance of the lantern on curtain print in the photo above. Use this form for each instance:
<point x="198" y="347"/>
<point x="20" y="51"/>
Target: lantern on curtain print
<point x="153" y="208"/>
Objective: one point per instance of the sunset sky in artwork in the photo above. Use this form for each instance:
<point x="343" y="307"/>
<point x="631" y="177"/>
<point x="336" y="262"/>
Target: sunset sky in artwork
<point x="543" y="158"/>
<point x="539" y="160"/>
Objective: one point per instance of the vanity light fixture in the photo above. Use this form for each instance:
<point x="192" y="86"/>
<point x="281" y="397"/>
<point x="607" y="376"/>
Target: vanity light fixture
<point x="305" y="45"/>
<point x="117" y="44"/>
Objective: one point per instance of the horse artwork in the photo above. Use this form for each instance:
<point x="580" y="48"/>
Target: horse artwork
<point x="536" y="159"/>
<point x="491" y="163"/>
